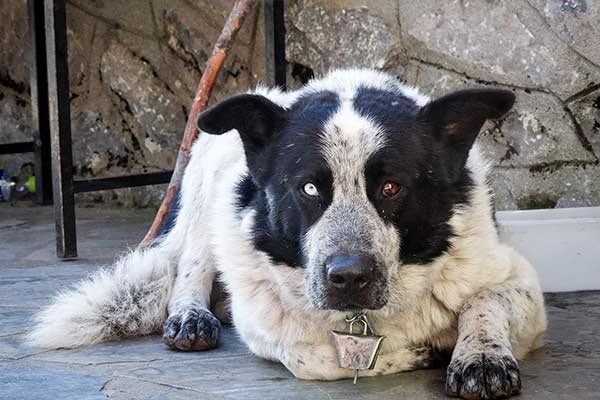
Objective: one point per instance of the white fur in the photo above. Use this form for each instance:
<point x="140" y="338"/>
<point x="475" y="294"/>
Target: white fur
<point x="345" y="82"/>
<point x="350" y="221"/>
<point x="270" y="307"/>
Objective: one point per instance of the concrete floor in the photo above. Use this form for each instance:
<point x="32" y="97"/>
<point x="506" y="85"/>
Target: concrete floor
<point x="568" y="367"/>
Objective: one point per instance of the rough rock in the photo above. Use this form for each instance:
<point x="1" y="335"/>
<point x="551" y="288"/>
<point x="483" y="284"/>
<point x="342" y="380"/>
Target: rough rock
<point x="587" y="112"/>
<point x="497" y="41"/>
<point x="326" y="39"/>
<point x="15" y="127"/>
<point x="538" y="130"/>
<point x="152" y="105"/>
<point x="134" y="68"/>
<point x="547" y="187"/>
<point x="14" y="53"/>
<point x="575" y="23"/>
<point x="99" y="149"/>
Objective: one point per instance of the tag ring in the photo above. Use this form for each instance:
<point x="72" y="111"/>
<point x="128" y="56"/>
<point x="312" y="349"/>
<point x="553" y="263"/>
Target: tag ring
<point x="362" y="319"/>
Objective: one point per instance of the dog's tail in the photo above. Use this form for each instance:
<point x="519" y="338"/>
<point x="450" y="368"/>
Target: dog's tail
<point x="128" y="299"/>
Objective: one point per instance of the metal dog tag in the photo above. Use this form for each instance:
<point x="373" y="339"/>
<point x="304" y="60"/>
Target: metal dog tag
<point x="357" y="351"/>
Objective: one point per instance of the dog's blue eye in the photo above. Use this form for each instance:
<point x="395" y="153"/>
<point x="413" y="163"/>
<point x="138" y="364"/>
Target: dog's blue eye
<point x="310" y="189"/>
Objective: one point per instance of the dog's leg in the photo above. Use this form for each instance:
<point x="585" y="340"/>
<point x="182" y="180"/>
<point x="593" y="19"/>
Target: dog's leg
<point x="191" y="326"/>
<point x="495" y="327"/>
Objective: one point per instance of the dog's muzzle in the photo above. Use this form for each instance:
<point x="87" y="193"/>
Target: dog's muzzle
<point x="353" y="282"/>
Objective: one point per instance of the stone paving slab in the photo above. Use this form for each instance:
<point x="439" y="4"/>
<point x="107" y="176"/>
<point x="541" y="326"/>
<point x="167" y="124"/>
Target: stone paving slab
<point x="147" y="349"/>
<point x="567" y="367"/>
<point x="29" y="381"/>
<point x="14" y="321"/>
<point x="124" y="388"/>
<point x="39" y="283"/>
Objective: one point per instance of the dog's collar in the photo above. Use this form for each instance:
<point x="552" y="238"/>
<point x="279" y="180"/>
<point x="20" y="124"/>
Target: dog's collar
<point x="357" y="351"/>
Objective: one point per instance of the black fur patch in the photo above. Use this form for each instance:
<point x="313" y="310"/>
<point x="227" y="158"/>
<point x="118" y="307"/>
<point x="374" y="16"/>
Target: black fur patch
<point x="246" y="191"/>
<point x="422" y="211"/>
<point x="169" y="222"/>
<point x="291" y="160"/>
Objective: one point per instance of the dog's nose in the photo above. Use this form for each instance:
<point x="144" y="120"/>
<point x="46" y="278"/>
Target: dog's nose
<point x="350" y="273"/>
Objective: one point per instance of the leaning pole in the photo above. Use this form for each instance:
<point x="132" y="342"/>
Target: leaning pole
<point x="238" y="14"/>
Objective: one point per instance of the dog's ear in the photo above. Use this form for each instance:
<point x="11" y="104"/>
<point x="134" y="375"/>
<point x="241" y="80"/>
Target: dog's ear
<point x="256" y="118"/>
<point x="456" y="119"/>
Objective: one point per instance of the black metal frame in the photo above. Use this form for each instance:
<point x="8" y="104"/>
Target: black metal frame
<point x="14" y="148"/>
<point x="40" y="120"/>
<point x="50" y="99"/>
<point x="51" y="114"/>
<point x="275" y="42"/>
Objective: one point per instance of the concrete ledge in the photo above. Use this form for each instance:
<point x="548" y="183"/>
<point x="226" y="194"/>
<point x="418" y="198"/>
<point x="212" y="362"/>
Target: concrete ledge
<point x="563" y="245"/>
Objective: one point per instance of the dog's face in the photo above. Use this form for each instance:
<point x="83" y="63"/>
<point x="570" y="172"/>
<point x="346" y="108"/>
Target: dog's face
<point x="350" y="187"/>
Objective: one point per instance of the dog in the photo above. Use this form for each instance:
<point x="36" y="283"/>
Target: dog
<point x="353" y="194"/>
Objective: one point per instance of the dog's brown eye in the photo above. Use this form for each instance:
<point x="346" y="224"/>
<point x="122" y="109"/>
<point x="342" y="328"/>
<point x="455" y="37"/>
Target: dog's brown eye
<point x="390" y="189"/>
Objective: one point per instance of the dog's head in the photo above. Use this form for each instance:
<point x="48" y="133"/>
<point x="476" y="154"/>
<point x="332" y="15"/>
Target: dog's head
<point x="350" y="182"/>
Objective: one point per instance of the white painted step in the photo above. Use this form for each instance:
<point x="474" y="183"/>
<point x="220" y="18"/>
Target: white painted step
<point x="563" y="244"/>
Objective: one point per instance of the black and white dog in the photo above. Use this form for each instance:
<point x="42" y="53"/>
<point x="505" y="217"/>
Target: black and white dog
<point x="353" y="193"/>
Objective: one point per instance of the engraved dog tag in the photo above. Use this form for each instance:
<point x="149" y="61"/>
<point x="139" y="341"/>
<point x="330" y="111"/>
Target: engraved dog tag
<point x="357" y="351"/>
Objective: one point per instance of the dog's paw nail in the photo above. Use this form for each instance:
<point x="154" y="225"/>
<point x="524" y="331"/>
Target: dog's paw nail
<point x="192" y="330"/>
<point x="483" y="376"/>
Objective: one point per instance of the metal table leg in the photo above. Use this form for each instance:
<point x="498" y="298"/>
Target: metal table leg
<point x="60" y="127"/>
<point x="275" y="38"/>
<point x="39" y="103"/>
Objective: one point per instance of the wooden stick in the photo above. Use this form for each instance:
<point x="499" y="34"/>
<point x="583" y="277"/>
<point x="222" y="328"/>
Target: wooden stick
<point x="240" y="10"/>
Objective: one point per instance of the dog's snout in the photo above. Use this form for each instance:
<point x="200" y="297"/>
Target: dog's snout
<point x="352" y="281"/>
<point x="350" y="273"/>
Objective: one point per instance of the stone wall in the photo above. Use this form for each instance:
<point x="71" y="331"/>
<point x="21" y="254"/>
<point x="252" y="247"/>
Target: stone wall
<point x="134" y="66"/>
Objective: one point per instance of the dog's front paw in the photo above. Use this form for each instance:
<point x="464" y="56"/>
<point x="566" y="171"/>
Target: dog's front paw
<point x="483" y="376"/>
<point x="192" y="330"/>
